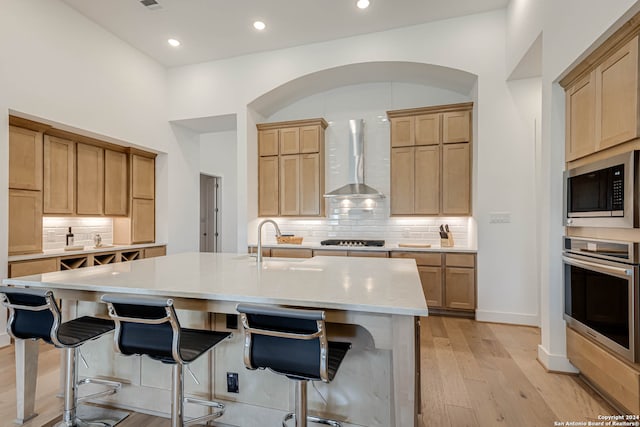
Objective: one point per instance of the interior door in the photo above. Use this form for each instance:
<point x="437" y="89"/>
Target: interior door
<point x="209" y="213"/>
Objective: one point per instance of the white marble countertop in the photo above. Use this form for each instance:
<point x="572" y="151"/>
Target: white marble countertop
<point x="87" y="250"/>
<point x="388" y="247"/>
<point x="390" y="286"/>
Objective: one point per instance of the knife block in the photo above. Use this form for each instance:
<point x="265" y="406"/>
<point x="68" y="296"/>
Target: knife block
<point x="448" y="242"/>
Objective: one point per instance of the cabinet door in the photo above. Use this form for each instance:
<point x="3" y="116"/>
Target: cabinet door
<point x="115" y="183"/>
<point x="310" y="184"/>
<point x="310" y="139"/>
<point x="143" y="224"/>
<point x="268" y="186"/>
<point x="427" y="180"/>
<point x="143" y="177"/>
<point x="289" y="140"/>
<point x="90" y="180"/>
<point x="617" y="97"/>
<point x="25" y="222"/>
<point x="402" y="131"/>
<point x="427" y="129"/>
<point x="25" y="159"/>
<point x="268" y="142"/>
<point x="431" y="279"/>
<point x="59" y="175"/>
<point x="456" y="127"/>
<point x="290" y="185"/>
<point x="27" y="268"/>
<point x="456" y="179"/>
<point x="460" y="289"/>
<point x="402" y="181"/>
<point x="155" y="251"/>
<point x="580" y="117"/>
<point x="291" y="253"/>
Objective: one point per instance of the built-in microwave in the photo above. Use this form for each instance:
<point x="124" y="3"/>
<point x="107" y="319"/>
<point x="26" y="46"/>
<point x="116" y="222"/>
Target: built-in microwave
<point x="603" y="193"/>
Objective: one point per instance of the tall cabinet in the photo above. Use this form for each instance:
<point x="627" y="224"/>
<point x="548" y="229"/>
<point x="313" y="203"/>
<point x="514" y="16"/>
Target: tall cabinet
<point x="431" y="160"/>
<point x="291" y="168"/>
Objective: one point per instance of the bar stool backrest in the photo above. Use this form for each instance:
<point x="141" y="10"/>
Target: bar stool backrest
<point x="288" y="341"/>
<point x="146" y="326"/>
<point x="33" y="313"/>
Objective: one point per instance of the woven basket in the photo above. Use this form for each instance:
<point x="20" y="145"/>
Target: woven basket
<point x="290" y="240"/>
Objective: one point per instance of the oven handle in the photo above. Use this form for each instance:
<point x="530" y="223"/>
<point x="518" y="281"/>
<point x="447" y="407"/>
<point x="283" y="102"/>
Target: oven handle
<point x="598" y="267"/>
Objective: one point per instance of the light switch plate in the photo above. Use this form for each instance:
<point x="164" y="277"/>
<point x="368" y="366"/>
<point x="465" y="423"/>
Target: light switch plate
<point x="499" y="217"/>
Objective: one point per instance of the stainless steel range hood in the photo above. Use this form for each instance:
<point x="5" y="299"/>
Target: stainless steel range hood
<point x="356" y="189"/>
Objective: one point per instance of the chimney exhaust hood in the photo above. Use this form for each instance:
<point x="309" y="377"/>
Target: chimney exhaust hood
<point x="356" y="189"/>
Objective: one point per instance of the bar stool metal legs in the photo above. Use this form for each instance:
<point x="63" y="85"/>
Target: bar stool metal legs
<point x="300" y="416"/>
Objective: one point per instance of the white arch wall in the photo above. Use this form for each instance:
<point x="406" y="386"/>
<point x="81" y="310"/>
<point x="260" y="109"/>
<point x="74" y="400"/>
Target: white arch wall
<point x="504" y="134"/>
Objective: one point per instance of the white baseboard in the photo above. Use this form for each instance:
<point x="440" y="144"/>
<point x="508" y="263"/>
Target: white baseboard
<point x="555" y="362"/>
<point x="511" y="318"/>
<point x="5" y="339"/>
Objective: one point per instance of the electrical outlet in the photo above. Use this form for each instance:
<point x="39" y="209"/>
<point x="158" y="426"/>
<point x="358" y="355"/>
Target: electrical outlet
<point x="51" y="236"/>
<point x="232" y="382"/>
<point x="232" y="321"/>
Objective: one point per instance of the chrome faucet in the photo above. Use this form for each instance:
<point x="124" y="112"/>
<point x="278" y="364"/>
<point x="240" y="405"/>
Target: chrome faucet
<point x="278" y="233"/>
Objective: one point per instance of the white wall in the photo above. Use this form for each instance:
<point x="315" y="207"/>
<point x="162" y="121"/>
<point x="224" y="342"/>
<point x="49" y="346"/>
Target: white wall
<point x="217" y="158"/>
<point x="524" y="24"/>
<point x="475" y="44"/>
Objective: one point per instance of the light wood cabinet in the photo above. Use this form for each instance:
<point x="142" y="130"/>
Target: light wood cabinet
<point x="290" y="185"/>
<point x="59" y="175"/>
<point x="291" y="172"/>
<point x="38" y="266"/>
<point x="456" y="179"/>
<point x="368" y="254"/>
<point x="268" y="142"/>
<point x="155" y="251"/>
<point x="448" y="280"/>
<point x="291" y="253"/>
<point x="601" y="101"/>
<point x="426" y="193"/>
<point x="402" y="181"/>
<point x="116" y="194"/>
<point x="143" y="221"/>
<point x="25" y="159"/>
<point x="90" y="180"/>
<point x="143" y="173"/>
<point x="456" y="127"/>
<point x="25" y="222"/>
<point x="268" y="201"/>
<point x="431" y="160"/>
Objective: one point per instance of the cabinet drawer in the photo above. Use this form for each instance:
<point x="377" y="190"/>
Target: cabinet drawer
<point x="612" y="376"/>
<point x="27" y="268"/>
<point x="291" y="253"/>
<point x="266" y="252"/>
<point x="422" y="258"/>
<point x="155" y="251"/>
<point x="369" y="254"/>
<point x="460" y="260"/>
<point x="329" y="253"/>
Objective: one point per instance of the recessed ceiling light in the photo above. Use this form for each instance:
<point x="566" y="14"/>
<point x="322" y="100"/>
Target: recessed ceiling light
<point x="174" y="42"/>
<point x="259" y="25"/>
<point x="362" y="4"/>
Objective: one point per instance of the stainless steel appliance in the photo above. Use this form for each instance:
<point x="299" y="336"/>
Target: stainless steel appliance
<point x="601" y="292"/>
<point x="603" y="193"/>
<point x="352" y="242"/>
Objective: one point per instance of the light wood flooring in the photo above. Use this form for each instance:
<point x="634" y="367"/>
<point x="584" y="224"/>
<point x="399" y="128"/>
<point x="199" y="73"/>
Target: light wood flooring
<point x="473" y="374"/>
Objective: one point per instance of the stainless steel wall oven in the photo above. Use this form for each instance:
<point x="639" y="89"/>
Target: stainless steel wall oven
<point x="601" y="292"/>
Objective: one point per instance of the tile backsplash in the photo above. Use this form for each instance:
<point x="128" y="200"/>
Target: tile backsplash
<point x="55" y="229"/>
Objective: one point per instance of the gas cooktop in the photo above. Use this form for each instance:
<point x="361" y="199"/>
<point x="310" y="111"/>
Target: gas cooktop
<point x="352" y="242"/>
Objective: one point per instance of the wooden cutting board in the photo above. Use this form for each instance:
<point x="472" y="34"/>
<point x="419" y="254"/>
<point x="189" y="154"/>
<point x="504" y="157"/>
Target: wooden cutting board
<point x="414" y="245"/>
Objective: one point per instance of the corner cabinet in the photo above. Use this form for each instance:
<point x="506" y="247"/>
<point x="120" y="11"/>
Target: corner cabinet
<point x="291" y="168"/>
<point x="431" y="160"/>
<point x="601" y="101"/>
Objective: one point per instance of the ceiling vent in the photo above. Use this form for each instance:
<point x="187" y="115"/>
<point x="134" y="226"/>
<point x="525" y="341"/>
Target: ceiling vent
<point x="151" y="4"/>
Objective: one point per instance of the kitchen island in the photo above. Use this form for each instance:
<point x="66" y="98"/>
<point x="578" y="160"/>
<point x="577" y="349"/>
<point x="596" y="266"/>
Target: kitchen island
<point x="372" y="303"/>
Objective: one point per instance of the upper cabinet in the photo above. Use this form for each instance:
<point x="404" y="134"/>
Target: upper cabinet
<point x="143" y="177"/>
<point x="431" y="160"/>
<point x="59" y="175"/>
<point x="90" y="181"/>
<point x="25" y="159"/>
<point x="116" y="184"/>
<point x="601" y="100"/>
<point x="291" y="168"/>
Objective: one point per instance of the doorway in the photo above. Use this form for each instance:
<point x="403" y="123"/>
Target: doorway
<point x="209" y="213"/>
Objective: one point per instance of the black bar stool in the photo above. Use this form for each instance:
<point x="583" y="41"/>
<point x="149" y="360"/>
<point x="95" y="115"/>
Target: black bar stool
<point x="34" y="314"/>
<point x="149" y="326"/>
<point x="293" y="343"/>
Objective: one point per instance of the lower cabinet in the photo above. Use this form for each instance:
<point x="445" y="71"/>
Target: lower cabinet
<point x="81" y="260"/>
<point x="291" y="253"/>
<point x="25" y="222"/>
<point x="448" y="280"/>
